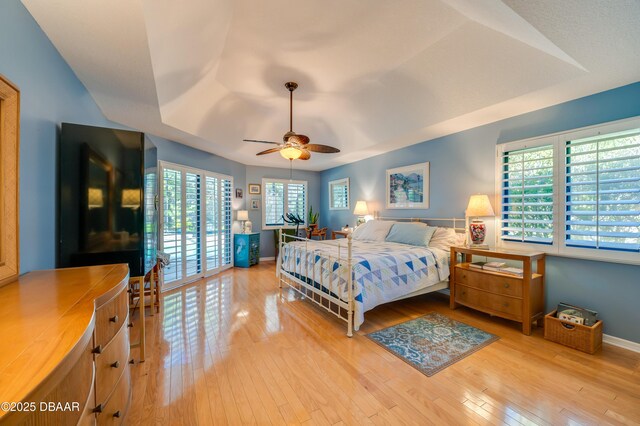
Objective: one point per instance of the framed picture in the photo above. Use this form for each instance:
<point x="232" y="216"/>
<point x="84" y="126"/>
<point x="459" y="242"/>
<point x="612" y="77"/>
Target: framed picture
<point x="238" y="193"/>
<point x="254" y="188"/>
<point x="408" y="187"/>
<point x="255" y="204"/>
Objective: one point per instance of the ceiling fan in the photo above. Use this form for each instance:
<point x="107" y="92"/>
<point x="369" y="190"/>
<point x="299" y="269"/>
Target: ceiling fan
<point x="294" y="146"/>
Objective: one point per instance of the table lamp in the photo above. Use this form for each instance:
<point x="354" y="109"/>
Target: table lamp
<point x="243" y="216"/>
<point x="479" y="206"/>
<point x="361" y="211"/>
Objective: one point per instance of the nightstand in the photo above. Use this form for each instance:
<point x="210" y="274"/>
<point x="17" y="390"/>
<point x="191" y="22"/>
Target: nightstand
<point x="344" y="234"/>
<point x="508" y="296"/>
<point x="246" y="249"/>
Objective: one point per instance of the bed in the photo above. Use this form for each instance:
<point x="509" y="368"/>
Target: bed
<point x="381" y="272"/>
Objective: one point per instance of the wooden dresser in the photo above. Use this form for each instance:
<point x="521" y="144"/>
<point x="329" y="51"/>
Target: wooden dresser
<point x="516" y="298"/>
<point x="64" y="359"/>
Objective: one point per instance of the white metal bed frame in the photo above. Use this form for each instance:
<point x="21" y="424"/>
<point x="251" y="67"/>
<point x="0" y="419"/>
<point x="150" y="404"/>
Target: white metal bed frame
<point x="343" y="309"/>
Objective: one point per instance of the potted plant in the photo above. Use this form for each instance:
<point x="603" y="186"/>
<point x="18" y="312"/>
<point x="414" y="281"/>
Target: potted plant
<point x="312" y="218"/>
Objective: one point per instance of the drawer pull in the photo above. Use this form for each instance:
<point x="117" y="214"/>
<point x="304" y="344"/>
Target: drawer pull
<point x="113" y="318"/>
<point x="507" y="285"/>
<point x="116" y="414"/>
<point x="98" y="409"/>
<point x="130" y="325"/>
<point x="505" y="305"/>
<point x="97" y="350"/>
<point x="115" y="364"/>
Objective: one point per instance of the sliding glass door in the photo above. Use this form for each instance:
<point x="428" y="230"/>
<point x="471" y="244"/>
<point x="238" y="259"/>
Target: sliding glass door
<point x="195" y="223"/>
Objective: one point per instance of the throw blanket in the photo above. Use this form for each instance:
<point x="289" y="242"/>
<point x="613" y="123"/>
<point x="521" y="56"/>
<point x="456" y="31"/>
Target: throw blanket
<point x="381" y="272"/>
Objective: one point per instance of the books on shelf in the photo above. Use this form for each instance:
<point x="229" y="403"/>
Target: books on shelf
<point x="512" y="271"/>
<point x="493" y="266"/>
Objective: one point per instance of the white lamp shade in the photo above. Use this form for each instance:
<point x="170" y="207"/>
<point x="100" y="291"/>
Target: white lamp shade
<point x="243" y="215"/>
<point x="479" y="206"/>
<point x="361" y="209"/>
<point x="131" y="198"/>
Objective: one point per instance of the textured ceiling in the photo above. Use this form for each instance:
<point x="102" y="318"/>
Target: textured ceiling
<point x="373" y="76"/>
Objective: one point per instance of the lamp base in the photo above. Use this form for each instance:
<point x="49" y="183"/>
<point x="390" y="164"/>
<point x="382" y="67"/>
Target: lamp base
<point x="477" y="231"/>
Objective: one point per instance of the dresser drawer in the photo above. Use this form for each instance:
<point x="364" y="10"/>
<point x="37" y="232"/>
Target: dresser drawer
<point x="110" y="317"/>
<point x="114" y="410"/>
<point x="493" y="283"/>
<point x="509" y="306"/>
<point x="88" y="417"/>
<point x="110" y="363"/>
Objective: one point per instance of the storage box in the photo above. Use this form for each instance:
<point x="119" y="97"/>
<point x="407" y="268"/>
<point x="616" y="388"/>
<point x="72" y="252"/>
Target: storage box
<point x="581" y="337"/>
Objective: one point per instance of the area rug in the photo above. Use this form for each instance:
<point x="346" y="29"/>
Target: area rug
<point x="432" y="342"/>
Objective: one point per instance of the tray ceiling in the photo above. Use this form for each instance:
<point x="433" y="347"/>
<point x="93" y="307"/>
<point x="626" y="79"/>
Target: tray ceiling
<point x="373" y="76"/>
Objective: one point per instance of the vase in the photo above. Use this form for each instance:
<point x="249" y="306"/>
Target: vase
<point x="478" y="231"/>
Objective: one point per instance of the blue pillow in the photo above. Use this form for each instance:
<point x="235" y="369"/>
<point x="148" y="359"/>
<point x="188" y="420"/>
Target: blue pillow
<point x="415" y="234"/>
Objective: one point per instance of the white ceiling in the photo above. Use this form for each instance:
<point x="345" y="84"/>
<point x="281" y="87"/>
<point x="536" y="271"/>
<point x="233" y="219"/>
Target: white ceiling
<point x="374" y="75"/>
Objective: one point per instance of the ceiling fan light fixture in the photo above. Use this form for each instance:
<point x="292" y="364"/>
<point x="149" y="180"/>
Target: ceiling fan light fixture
<point x="291" y="153"/>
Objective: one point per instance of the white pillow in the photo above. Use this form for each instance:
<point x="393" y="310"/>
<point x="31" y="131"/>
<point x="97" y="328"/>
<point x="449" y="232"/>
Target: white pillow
<point x="374" y="230"/>
<point x="444" y="238"/>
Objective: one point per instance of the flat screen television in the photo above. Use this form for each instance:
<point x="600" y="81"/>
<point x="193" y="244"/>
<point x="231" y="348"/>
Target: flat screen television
<point x="107" y="189"/>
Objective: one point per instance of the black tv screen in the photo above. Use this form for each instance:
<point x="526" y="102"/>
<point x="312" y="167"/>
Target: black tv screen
<point x="102" y="203"/>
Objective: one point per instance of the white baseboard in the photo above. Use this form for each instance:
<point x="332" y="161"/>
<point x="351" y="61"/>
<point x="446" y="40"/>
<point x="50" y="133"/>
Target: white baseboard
<point x="621" y="343"/>
<point x="262" y="259"/>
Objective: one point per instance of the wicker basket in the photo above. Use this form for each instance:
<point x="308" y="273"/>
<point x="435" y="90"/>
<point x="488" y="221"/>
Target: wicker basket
<point x="581" y="337"/>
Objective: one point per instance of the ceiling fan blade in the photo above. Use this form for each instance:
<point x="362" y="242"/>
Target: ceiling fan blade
<point x="325" y="149"/>
<point x="305" y="155"/>
<point x="254" y="140"/>
<point x="269" y="151"/>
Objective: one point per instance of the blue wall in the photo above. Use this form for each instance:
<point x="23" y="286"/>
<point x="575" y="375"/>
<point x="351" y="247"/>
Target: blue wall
<point x="255" y="175"/>
<point x="463" y="164"/>
<point x="50" y="94"/>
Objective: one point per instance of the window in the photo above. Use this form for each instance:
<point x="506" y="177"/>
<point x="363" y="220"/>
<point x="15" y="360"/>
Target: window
<point x="280" y="197"/>
<point x="575" y="194"/>
<point x="339" y="194"/>
<point x="602" y="209"/>
<point x="195" y="222"/>
<point x="527" y="195"/>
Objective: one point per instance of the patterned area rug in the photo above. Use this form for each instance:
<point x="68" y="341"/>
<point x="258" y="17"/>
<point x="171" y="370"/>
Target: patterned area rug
<point x="433" y="342"/>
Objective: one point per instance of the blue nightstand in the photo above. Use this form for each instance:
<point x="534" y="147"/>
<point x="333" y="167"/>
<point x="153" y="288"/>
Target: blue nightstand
<point x="247" y="249"/>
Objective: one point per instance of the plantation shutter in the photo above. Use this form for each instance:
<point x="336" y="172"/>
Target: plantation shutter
<point x="274" y="203"/>
<point x="172" y="223"/>
<point x="603" y="192"/>
<point x="339" y="195"/>
<point x="192" y="224"/>
<point x="296" y="203"/>
<point x="225" y="225"/>
<point x="212" y="221"/>
<point x="527" y="195"/>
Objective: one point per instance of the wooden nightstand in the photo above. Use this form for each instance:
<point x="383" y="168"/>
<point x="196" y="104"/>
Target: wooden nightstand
<point x="516" y="298"/>
<point x="334" y="234"/>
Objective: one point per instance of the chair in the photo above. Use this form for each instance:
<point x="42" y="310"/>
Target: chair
<point x="152" y="284"/>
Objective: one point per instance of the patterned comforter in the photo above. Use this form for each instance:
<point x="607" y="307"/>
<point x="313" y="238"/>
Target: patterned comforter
<point x="382" y="272"/>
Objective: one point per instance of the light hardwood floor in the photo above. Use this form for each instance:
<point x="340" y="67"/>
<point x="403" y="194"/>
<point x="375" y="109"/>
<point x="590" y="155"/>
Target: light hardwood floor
<point x="229" y="350"/>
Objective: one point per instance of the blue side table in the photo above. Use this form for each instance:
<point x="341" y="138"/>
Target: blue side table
<point x="247" y="249"/>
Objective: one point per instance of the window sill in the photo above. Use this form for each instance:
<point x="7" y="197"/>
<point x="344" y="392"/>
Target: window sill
<point x="626" y="258"/>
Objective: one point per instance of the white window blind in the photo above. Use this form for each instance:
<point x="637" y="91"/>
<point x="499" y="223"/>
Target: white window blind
<point x="192" y="216"/>
<point x="281" y="197"/>
<point x="602" y="185"/>
<point x="527" y="195"/>
<point x="227" y="251"/>
<point x="339" y="194"/>
<point x="273" y="203"/>
<point x="296" y="199"/>
<point x="212" y="221"/>
<point x="172" y="223"/>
